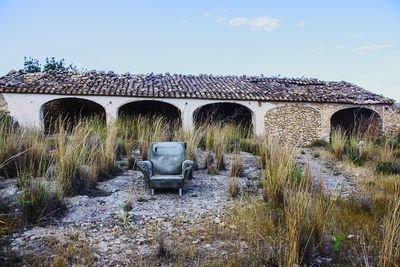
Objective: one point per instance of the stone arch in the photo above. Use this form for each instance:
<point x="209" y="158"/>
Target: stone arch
<point x="150" y="108"/>
<point x="294" y="124"/>
<point x="70" y="111"/>
<point x="224" y="112"/>
<point x="357" y="120"/>
<point x="3" y="103"/>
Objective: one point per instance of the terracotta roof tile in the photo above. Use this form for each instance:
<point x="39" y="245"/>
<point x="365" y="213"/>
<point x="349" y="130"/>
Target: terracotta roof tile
<point x="188" y="86"/>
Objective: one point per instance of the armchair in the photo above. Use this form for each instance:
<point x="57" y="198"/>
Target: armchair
<point x="166" y="167"/>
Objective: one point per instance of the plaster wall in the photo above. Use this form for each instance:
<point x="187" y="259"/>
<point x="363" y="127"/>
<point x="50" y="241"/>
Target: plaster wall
<point x="27" y="110"/>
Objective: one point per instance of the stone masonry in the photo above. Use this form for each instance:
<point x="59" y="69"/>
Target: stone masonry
<point x="392" y="119"/>
<point x="294" y="124"/>
<point x="3" y="103"/>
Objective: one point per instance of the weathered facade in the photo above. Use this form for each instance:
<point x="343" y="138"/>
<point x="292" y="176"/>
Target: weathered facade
<point x="3" y="103"/>
<point x="297" y="111"/>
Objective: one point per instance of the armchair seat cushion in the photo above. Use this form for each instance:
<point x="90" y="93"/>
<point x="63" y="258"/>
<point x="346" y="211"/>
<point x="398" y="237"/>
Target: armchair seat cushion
<point x="166" y="181"/>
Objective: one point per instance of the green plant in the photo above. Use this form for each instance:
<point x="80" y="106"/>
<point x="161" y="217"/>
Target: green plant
<point x="125" y="217"/>
<point x="57" y="65"/>
<point x="36" y="199"/>
<point x="320" y="143"/>
<point x="31" y="65"/>
<point x="337" y="242"/>
<point x="387" y="168"/>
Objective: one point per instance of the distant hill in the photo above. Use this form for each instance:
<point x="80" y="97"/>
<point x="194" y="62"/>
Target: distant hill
<point x="397" y="105"/>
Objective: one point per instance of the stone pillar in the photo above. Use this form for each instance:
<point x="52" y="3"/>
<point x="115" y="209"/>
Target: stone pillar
<point x="111" y="112"/>
<point x="187" y="117"/>
<point x="258" y="123"/>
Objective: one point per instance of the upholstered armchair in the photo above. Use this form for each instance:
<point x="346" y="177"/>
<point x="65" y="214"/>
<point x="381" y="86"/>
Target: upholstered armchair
<point x="166" y="167"/>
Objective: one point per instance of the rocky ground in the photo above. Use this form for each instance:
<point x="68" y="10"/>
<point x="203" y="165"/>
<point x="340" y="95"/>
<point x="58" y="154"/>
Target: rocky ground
<point x="333" y="180"/>
<point x="115" y="237"/>
<point x="103" y="234"/>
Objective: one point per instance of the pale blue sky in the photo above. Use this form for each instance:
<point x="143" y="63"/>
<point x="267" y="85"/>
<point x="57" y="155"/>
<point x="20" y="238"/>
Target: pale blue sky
<point x="357" y="41"/>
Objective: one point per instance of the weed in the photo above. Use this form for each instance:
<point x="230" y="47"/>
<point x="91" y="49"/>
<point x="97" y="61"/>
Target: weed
<point x="125" y="217"/>
<point x="337" y="242"/>
<point x="387" y="168"/>
<point x="236" y="166"/>
<point x="320" y="143"/>
<point x="233" y="187"/>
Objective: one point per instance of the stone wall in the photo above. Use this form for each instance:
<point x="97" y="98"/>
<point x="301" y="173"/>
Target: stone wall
<point x="3" y="103"/>
<point x="294" y="124"/>
<point x="392" y="121"/>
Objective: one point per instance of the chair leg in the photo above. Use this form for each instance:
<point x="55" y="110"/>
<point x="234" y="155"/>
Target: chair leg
<point x="152" y="191"/>
<point x="180" y="192"/>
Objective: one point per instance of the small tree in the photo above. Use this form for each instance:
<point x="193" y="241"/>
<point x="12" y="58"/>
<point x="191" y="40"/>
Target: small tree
<point x="31" y="65"/>
<point x="54" y="64"/>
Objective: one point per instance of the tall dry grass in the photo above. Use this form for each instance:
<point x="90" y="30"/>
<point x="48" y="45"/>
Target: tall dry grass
<point x="387" y="152"/>
<point x="83" y="156"/>
<point x="390" y="248"/>
<point x="279" y="163"/>
<point x="192" y="139"/>
<point x="338" y="142"/>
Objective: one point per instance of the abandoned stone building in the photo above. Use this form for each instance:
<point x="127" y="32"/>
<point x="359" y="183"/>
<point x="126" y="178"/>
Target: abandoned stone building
<point x="294" y="110"/>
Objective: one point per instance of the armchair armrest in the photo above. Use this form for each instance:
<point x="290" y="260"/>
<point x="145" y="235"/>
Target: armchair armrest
<point x="187" y="169"/>
<point x="146" y="168"/>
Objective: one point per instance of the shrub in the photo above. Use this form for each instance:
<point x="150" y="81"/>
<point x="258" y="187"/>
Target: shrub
<point x="37" y="199"/>
<point x="355" y="154"/>
<point x="320" y="143"/>
<point x="388" y="167"/>
<point x="236" y="166"/>
<point x="233" y="187"/>
<point x="248" y="145"/>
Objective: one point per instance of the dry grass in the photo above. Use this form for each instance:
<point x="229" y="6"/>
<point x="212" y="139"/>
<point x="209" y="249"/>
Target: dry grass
<point x="387" y="152"/>
<point x="338" y="142"/>
<point x="192" y="140"/>
<point x="278" y="166"/>
<point x="233" y="186"/>
<point x="83" y="156"/>
<point x="390" y="249"/>
<point x="293" y="224"/>
<point x="236" y="168"/>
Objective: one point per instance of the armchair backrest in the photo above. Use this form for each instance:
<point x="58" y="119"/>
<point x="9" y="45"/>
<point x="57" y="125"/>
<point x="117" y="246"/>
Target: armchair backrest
<point x="167" y="157"/>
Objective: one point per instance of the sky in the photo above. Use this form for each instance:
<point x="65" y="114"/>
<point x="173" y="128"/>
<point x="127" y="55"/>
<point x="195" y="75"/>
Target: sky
<point x="355" y="41"/>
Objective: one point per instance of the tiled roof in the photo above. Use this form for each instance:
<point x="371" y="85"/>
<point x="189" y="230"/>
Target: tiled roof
<point x="187" y="86"/>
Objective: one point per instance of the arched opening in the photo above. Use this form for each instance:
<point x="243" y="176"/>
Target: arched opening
<point x="223" y="113"/>
<point x="151" y="108"/>
<point x="357" y="121"/>
<point x="69" y="111"/>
